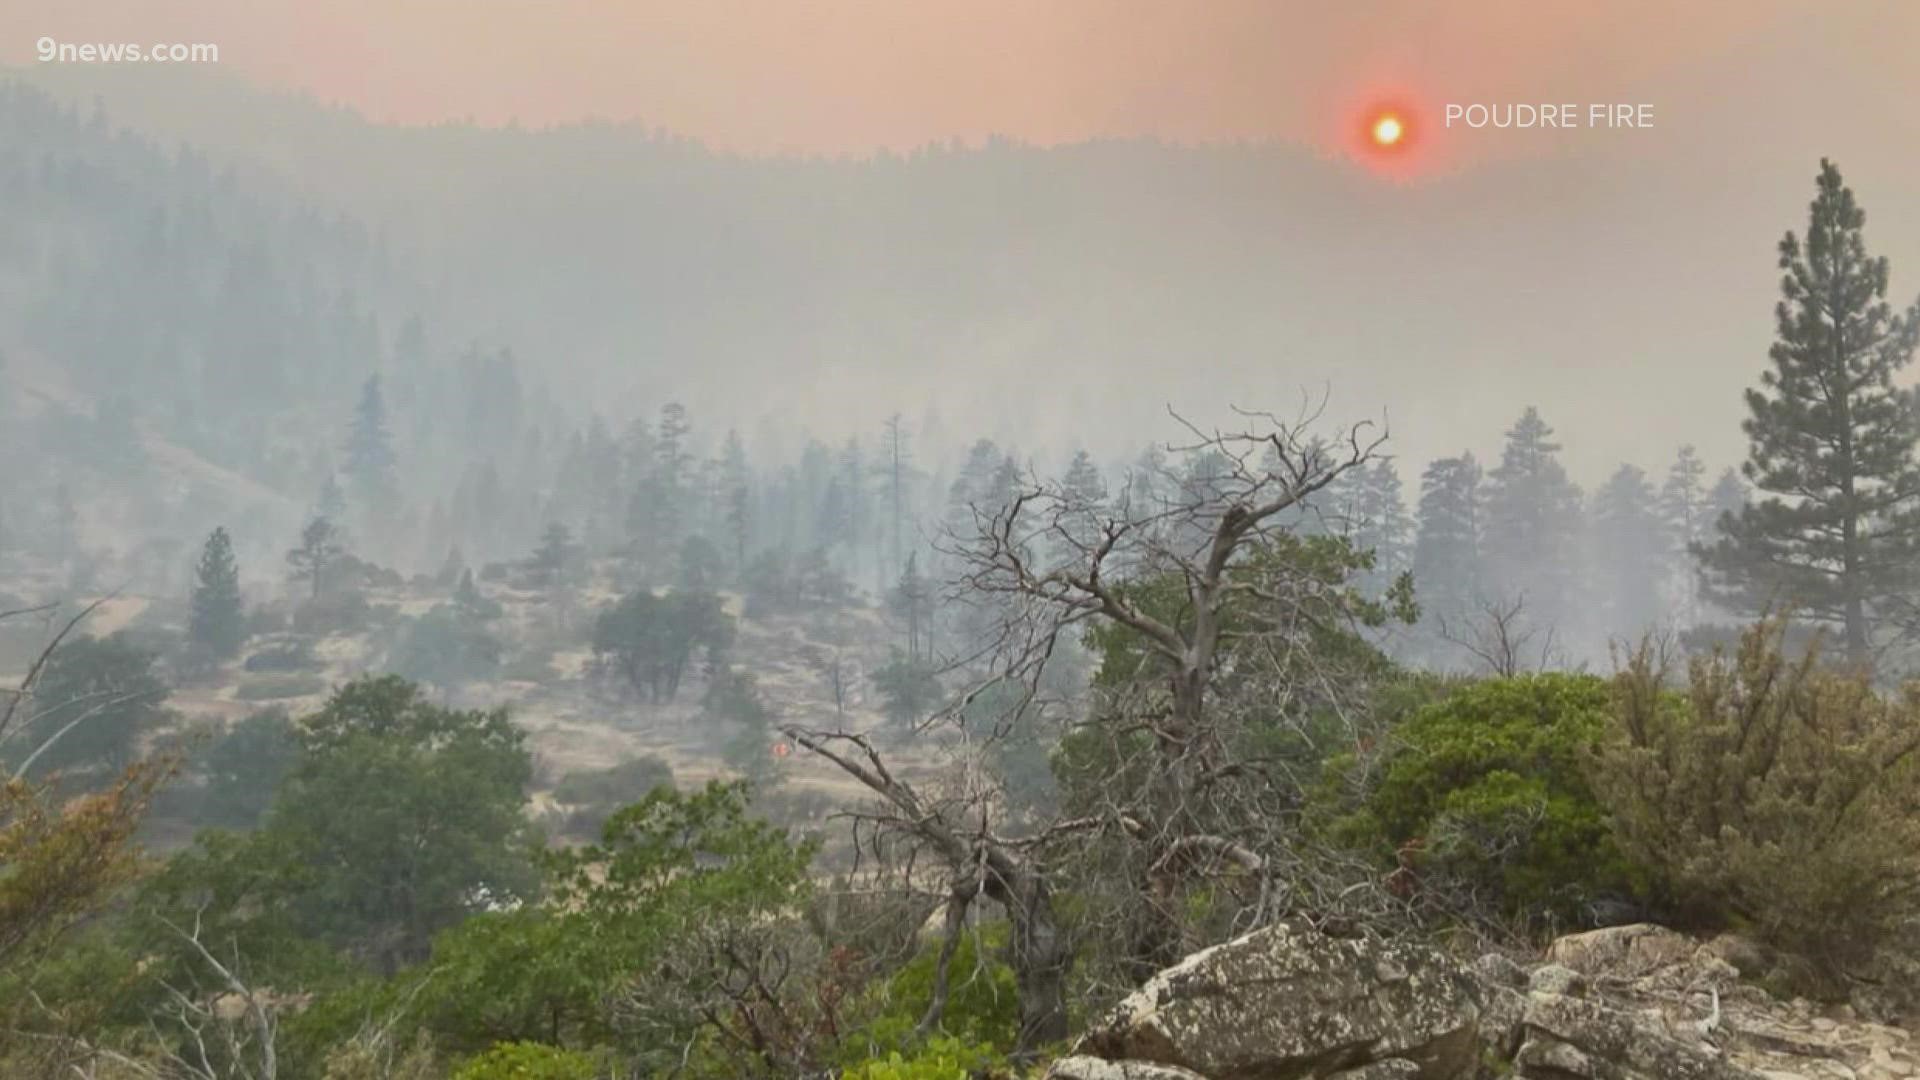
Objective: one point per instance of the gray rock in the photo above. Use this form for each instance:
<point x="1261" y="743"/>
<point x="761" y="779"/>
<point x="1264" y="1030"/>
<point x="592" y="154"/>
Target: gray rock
<point x="1082" y="1067"/>
<point x="1499" y="969"/>
<point x="1556" y="979"/>
<point x="1617" y="1044"/>
<point x="1503" y="1013"/>
<point x="1289" y="1001"/>
<point x="1622" y="952"/>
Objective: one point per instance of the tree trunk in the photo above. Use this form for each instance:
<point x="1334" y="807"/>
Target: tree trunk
<point x="1039" y="958"/>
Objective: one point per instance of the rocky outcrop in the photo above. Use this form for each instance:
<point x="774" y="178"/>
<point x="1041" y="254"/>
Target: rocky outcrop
<point x="1625" y="1003"/>
<point x="1291" y="1001"/>
<point x="1645" y="1003"/>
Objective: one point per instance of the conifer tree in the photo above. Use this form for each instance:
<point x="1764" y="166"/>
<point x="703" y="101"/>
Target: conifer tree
<point x="1629" y="549"/>
<point x="331" y="503"/>
<point x="370" y="460"/>
<point x="1685" y="517"/>
<point x="1728" y="495"/>
<point x="319" y="547"/>
<point x="1836" y="533"/>
<point x="1446" y="550"/>
<point x="737" y="497"/>
<point x="553" y="562"/>
<point x="896" y="461"/>
<point x="1532" y="524"/>
<point x="216" y="624"/>
<point x="1084" y="509"/>
<point x="1377" y="520"/>
<point x="673" y="472"/>
<point x="912" y="601"/>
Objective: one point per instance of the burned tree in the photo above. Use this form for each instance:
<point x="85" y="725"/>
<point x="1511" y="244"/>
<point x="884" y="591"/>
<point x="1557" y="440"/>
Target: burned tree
<point x="1224" y="642"/>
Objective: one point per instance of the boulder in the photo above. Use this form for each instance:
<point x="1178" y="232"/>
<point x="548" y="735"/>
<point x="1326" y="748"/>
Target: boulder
<point x="1621" y="952"/>
<point x="1640" y="1002"/>
<point x="1289" y="1001"/>
<point x="1614" y="1044"/>
<point x="1556" y="979"/>
<point x="1645" y="1003"/>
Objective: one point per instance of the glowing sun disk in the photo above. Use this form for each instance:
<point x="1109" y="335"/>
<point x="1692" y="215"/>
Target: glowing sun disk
<point x="1387" y="130"/>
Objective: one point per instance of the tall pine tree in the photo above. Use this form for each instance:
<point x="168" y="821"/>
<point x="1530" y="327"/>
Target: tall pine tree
<point x="1629" y="552"/>
<point x="1831" y="442"/>
<point x="370" y="460"/>
<point x="1532" y="525"/>
<point x="216" y="625"/>
<point x="1446" y="549"/>
<point x="1684" y="515"/>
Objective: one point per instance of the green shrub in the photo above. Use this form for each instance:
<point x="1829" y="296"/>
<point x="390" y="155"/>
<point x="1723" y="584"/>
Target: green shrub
<point x="1772" y="794"/>
<point x="528" y="1061"/>
<point x="943" y="1058"/>
<point x="982" y="1007"/>
<point x="1484" y="797"/>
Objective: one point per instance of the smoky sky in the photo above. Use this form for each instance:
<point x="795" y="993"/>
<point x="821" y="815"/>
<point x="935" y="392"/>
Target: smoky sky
<point x="1622" y="281"/>
<point x="831" y="76"/>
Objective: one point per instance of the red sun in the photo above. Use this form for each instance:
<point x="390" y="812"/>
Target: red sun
<point x="1387" y="134"/>
<point x="1387" y="129"/>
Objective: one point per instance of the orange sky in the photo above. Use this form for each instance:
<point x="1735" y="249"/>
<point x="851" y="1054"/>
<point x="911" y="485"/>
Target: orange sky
<point x="853" y="75"/>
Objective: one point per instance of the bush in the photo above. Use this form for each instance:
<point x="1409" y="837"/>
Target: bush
<point x="1773" y="794"/>
<point x="943" y="1058"/>
<point x="445" y="648"/>
<point x="1485" y="800"/>
<point x="528" y="1061"/>
<point x="596" y="794"/>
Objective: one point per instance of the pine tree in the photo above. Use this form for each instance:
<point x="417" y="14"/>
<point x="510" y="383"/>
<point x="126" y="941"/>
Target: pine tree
<point x="1532" y="524"/>
<point x="737" y="497"/>
<point x="319" y="547"/>
<point x="1085" y="491"/>
<point x="216" y="624"/>
<point x="1446" y="549"/>
<point x="1831" y="441"/>
<point x="895" y="462"/>
<point x="1629" y="552"/>
<point x="370" y="460"/>
<point x="553" y="561"/>
<point x="331" y="503"/>
<point x="912" y="600"/>
<point x="1728" y="495"/>
<point x="1376" y="519"/>
<point x="673" y="478"/>
<point x="1684" y="517"/>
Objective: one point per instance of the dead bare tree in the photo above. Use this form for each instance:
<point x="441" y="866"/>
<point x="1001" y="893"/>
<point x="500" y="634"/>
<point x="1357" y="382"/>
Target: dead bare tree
<point x="1209" y="586"/>
<point x="225" y="1032"/>
<point x="1502" y="640"/>
<point x="956" y="830"/>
